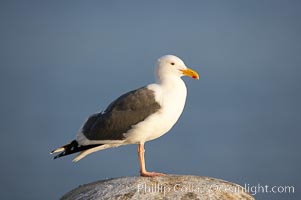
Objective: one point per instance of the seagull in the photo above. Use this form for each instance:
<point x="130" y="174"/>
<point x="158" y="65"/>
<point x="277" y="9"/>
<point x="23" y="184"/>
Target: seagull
<point x="136" y="117"/>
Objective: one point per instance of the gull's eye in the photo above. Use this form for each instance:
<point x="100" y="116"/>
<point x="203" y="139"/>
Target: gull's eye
<point x="172" y="63"/>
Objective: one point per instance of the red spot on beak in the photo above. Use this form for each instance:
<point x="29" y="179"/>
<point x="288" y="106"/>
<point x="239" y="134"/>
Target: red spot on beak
<point x="194" y="77"/>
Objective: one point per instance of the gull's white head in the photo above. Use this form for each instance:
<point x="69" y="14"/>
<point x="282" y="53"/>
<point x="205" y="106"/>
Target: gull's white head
<point x="172" y="66"/>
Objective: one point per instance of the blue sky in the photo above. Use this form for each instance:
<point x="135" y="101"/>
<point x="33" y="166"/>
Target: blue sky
<point x="64" y="60"/>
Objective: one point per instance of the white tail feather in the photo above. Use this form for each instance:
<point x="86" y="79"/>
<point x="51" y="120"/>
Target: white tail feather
<point x="89" y="151"/>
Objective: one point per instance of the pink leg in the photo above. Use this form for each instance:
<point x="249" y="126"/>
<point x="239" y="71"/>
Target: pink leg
<point x="143" y="171"/>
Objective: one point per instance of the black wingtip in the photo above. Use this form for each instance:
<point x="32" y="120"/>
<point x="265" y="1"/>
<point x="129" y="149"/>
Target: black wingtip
<point x="55" y="157"/>
<point x="60" y="155"/>
<point x="71" y="148"/>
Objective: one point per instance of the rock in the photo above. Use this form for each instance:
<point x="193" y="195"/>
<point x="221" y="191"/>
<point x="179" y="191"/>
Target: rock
<point x="164" y="187"/>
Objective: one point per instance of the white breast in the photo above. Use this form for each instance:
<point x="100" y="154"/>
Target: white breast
<point x="171" y="97"/>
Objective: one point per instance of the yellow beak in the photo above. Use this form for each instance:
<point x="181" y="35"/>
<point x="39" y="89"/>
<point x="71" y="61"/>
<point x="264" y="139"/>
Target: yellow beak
<point x="191" y="73"/>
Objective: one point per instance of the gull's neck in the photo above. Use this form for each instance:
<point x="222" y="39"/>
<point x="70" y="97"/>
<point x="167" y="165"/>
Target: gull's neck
<point x="170" y="82"/>
<point x="172" y="97"/>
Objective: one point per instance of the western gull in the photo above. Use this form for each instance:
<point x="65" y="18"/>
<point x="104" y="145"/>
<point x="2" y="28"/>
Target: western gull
<point x="136" y="117"/>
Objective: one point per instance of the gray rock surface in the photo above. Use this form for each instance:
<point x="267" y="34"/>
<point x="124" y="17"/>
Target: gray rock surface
<point x="165" y="187"/>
